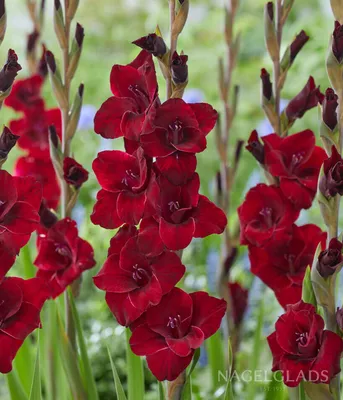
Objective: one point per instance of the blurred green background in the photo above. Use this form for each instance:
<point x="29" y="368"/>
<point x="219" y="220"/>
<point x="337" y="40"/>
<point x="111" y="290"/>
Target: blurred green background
<point x="110" y="27"/>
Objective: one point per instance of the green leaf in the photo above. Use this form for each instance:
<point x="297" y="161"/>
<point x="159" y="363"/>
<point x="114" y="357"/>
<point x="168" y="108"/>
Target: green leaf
<point x="24" y="365"/>
<point x="117" y="384"/>
<point x="216" y="358"/>
<point x="70" y="362"/>
<point x="15" y="387"/>
<point x="256" y="350"/>
<point x="228" y="395"/>
<point x="276" y="388"/>
<point x="161" y="395"/>
<point x="135" y="373"/>
<point x="308" y="295"/>
<point x="187" y="388"/>
<point x="302" y="395"/>
<point x="36" y="389"/>
<point x="86" y="369"/>
<point x="26" y="261"/>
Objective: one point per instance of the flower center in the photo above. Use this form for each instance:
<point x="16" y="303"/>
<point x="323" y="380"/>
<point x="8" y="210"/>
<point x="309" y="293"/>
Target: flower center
<point x="267" y="215"/>
<point x="175" y="132"/>
<point x="140" y="275"/>
<point x="64" y="255"/>
<point x="302" y="338"/>
<point x="174" y="206"/>
<point x="174" y="324"/>
<point x="296" y="160"/>
<point x="129" y="179"/>
<point x="141" y="97"/>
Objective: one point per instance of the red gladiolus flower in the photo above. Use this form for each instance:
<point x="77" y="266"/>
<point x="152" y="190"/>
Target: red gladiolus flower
<point x="174" y="329"/>
<point x="178" y="126"/>
<point x="124" y="179"/>
<point x="331" y="182"/>
<point x="25" y="95"/>
<point x="20" y="304"/>
<point x="266" y="216"/>
<point x="306" y="99"/>
<point x="134" y="282"/>
<point x="183" y="213"/>
<point x="134" y="87"/>
<point x="296" y="160"/>
<point x="284" y="270"/>
<point x="62" y="256"/>
<point x="42" y="170"/>
<point x="330" y="259"/>
<point x="20" y="200"/>
<point x="33" y="130"/>
<point x="74" y="173"/>
<point x="302" y="349"/>
<point x="239" y="301"/>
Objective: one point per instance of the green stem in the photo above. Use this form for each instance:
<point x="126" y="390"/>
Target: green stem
<point x="135" y="372"/>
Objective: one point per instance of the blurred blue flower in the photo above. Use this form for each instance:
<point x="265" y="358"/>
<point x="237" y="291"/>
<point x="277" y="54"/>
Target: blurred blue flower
<point x="87" y="115"/>
<point x="193" y="96"/>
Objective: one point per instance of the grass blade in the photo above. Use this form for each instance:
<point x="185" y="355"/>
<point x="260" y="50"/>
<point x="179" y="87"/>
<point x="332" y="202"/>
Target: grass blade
<point x="135" y="373"/>
<point x="187" y="389"/>
<point x="215" y="351"/>
<point x="36" y="389"/>
<point x="117" y="384"/>
<point x="15" y="387"/>
<point x="86" y="369"/>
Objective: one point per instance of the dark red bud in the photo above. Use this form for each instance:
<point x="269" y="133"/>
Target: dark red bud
<point x="238" y="151"/>
<point x="53" y="136"/>
<point x="230" y="260"/>
<point x="270" y="10"/>
<point x="50" y="60"/>
<point x="79" y="34"/>
<point x="9" y="71"/>
<point x="7" y="142"/>
<point x="152" y="43"/>
<point x="297" y="44"/>
<point x="42" y="68"/>
<point x="267" y="87"/>
<point x="32" y="41"/>
<point x="339" y="318"/>
<point x="81" y="89"/>
<point x="255" y="147"/>
<point x="2" y="8"/>
<point x="179" y="68"/>
<point x="57" y="5"/>
<point x="337" y="41"/>
<point x="330" y="105"/>
<point x="331" y="183"/>
<point x="330" y="259"/>
<point x="219" y="183"/>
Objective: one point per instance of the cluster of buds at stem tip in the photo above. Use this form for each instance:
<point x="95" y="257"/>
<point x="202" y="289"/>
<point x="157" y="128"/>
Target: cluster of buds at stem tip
<point x="8" y="73"/>
<point x="7" y="142"/>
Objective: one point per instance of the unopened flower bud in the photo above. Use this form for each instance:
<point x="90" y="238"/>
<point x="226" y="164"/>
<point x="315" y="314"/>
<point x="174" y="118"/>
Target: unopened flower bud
<point x="2" y="8"/>
<point x="255" y="147"/>
<point x="152" y="43"/>
<point x="9" y="71"/>
<point x="42" y="67"/>
<point x="230" y="259"/>
<point x="3" y="19"/>
<point x="32" y="41"/>
<point x="50" y="60"/>
<point x="7" y="142"/>
<point x="59" y="24"/>
<point x="330" y="259"/>
<point x="56" y="80"/>
<point x="331" y="183"/>
<point x="76" y="49"/>
<point x="297" y="44"/>
<point x="306" y="99"/>
<point x="269" y="31"/>
<point x="73" y="173"/>
<point x="267" y="87"/>
<point x="330" y="104"/>
<point x="337" y="42"/>
<point x="179" y="68"/>
<point x="339" y="318"/>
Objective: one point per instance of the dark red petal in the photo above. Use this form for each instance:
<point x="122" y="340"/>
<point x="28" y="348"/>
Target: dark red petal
<point x="149" y="241"/>
<point x="145" y="341"/>
<point x="276" y="350"/>
<point x="9" y="348"/>
<point x="29" y="191"/>
<point x="206" y="115"/>
<point x="105" y="210"/>
<point x="209" y="218"/>
<point x="22" y="219"/>
<point x="146" y="296"/>
<point x="122" y="308"/>
<point x="296" y="193"/>
<point x="178" y="167"/>
<point x="122" y="77"/>
<point x="107" y="121"/>
<point x="8" y="192"/>
<point x="183" y="347"/>
<point x="177" y="236"/>
<point x="118" y="241"/>
<point x="168" y="270"/>
<point x="208" y="312"/>
<point x="156" y="144"/>
<point x="166" y="365"/>
<point x="130" y="207"/>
